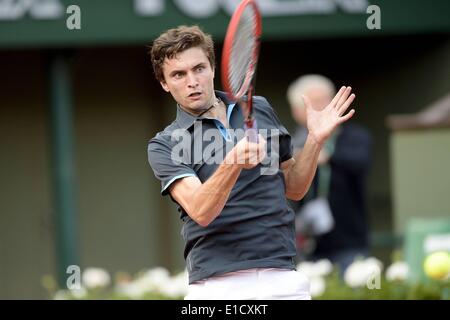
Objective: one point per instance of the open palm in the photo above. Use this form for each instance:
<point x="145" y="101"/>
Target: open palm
<point x="321" y="123"/>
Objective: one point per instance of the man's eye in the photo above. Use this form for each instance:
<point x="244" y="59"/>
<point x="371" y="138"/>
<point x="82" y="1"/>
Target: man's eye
<point x="200" y="69"/>
<point x="177" y="75"/>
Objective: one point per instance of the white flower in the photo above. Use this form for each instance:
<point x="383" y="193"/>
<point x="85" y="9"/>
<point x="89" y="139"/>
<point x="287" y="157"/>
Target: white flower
<point x="155" y="278"/>
<point x="315" y="272"/>
<point x="323" y="267"/>
<point x="317" y="286"/>
<point x="307" y="268"/>
<point x="151" y="280"/>
<point x="132" y="290"/>
<point x="78" y="293"/>
<point x="320" y="268"/>
<point x="375" y="262"/>
<point x="181" y="281"/>
<point x="176" y="287"/>
<point x="70" y="294"/>
<point x="95" y="277"/>
<point x="360" y="271"/>
<point x="397" y="271"/>
<point x="61" y="295"/>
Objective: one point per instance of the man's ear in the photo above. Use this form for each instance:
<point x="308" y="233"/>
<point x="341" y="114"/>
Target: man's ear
<point x="164" y="86"/>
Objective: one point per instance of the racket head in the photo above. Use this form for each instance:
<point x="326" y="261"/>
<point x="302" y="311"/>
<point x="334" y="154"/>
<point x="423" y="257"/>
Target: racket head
<point x="241" y="49"/>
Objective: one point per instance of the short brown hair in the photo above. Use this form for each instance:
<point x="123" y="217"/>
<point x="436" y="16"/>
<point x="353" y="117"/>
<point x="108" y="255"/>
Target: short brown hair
<point x="177" y="40"/>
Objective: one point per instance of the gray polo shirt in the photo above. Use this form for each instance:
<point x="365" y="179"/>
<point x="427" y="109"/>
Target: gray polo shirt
<point x="256" y="226"/>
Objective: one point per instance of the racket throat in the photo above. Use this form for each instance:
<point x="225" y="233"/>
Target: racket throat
<point x="251" y="130"/>
<point x="250" y="123"/>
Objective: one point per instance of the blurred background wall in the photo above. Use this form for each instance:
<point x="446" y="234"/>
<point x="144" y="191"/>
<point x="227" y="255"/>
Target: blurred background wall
<point x="121" y="221"/>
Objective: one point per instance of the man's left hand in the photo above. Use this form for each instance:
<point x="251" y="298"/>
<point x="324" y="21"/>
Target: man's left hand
<point x="321" y="123"/>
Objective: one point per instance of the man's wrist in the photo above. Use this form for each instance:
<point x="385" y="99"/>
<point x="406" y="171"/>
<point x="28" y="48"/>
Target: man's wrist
<point x="231" y="161"/>
<point x="313" y="140"/>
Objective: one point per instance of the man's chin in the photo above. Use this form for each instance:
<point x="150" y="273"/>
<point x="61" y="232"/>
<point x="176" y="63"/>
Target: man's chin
<point x="198" y="106"/>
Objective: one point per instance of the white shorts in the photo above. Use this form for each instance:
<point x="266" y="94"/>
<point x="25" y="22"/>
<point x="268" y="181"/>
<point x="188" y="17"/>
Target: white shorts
<point x="252" y="284"/>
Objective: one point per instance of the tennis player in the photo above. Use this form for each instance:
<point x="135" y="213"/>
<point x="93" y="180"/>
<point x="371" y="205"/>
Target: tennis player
<point x="238" y="228"/>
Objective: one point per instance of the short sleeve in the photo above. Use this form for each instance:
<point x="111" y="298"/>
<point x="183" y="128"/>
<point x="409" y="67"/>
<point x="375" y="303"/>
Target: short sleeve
<point x="165" y="169"/>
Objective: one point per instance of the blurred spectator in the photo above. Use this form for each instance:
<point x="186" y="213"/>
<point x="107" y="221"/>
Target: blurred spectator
<point x="331" y="220"/>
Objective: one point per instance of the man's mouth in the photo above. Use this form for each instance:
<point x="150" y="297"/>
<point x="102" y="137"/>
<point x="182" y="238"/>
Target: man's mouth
<point x="194" y="94"/>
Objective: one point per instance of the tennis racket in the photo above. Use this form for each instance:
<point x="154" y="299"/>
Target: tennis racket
<point x="239" y="60"/>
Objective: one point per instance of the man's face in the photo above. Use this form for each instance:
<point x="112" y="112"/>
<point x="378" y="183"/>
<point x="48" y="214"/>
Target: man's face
<point x="189" y="77"/>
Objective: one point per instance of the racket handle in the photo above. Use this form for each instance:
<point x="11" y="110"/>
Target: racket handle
<point x="251" y="131"/>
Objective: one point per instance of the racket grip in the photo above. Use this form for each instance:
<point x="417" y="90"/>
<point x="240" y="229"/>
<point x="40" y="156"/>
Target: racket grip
<point x="251" y="131"/>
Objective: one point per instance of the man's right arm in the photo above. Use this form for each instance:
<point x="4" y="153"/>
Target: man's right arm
<point x="203" y="202"/>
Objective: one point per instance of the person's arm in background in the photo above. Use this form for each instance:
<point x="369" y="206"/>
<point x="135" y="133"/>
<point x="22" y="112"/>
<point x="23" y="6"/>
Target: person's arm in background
<point x="299" y="170"/>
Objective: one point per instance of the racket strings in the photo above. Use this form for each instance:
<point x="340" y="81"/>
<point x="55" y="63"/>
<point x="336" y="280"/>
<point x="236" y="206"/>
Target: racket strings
<point x="242" y="51"/>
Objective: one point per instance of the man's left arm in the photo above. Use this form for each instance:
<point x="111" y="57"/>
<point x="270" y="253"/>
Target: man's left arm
<point x="299" y="171"/>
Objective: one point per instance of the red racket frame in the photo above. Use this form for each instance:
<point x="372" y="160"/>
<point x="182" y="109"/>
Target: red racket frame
<point x="226" y="56"/>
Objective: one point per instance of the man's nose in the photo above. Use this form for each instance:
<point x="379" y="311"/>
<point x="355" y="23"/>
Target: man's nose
<point x="192" y="80"/>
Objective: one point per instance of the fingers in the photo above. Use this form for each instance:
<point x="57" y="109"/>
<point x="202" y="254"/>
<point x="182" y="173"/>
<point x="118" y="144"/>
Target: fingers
<point x="261" y="148"/>
<point x="256" y="152"/>
<point x="341" y="97"/>
<point x="341" y="109"/>
<point x="338" y="96"/>
<point x="347" y="116"/>
<point x="345" y="100"/>
<point x="258" y="148"/>
<point x="256" y="157"/>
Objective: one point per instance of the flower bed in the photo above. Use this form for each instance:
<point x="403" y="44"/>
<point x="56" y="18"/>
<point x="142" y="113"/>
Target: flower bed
<point x="364" y="279"/>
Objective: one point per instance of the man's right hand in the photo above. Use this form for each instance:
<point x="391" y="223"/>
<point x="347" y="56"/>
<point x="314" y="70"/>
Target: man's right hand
<point x="246" y="154"/>
<point x="203" y="202"/>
